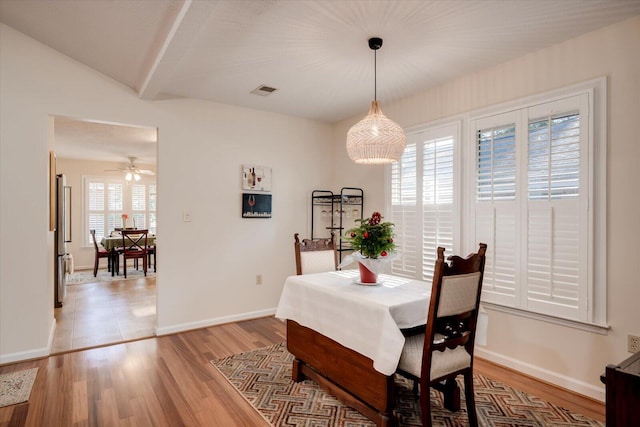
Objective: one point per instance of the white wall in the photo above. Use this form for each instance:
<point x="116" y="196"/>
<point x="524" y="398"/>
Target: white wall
<point x="563" y="355"/>
<point x="208" y="266"/>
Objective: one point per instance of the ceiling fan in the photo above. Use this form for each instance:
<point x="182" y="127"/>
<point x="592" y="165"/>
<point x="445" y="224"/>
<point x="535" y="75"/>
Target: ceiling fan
<point x="132" y="172"/>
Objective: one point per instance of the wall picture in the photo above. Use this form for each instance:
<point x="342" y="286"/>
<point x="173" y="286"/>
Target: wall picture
<point x="256" y="178"/>
<point x="256" y="205"/>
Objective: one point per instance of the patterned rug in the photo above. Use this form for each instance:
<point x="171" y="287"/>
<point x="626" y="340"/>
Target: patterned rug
<point x="263" y="377"/>
<point x="86" y="276"/>
<point x="15" y="387"/>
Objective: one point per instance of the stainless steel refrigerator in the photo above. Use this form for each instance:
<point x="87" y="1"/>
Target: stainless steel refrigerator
<point x="62" y="237"/>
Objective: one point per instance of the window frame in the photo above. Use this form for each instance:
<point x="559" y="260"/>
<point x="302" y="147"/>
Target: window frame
<point x="596" y="90"/>
<point x="127" y="201"/>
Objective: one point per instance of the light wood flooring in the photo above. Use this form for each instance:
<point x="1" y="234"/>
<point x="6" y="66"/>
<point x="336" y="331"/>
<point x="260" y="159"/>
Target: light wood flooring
<point x="169" y="381"/>
<point x="95" y="314"/>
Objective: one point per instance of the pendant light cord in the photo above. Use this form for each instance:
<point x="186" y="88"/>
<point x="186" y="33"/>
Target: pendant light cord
<point x="375" y="75"/>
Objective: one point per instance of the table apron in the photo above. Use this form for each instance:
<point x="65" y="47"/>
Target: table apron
<point x="348" y="369"/>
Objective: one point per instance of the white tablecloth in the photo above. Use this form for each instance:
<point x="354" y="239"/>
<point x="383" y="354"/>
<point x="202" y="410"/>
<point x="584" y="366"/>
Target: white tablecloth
<point x="366" y="319"/>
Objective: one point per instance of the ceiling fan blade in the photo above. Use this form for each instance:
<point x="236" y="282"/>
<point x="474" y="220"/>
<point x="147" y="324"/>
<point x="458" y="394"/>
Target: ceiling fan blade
<point x="145" y="172"/>
<point x="114" y="170"/>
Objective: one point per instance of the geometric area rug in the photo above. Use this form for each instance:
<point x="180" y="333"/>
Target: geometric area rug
<point x="263" y="378"/>
<point x="15" y="387"/>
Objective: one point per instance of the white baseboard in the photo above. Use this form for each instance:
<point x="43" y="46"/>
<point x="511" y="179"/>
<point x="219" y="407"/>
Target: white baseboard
<point x="214" y="321"/>
<point x="21" y="356"/>
<point x="37" y="353"/>
<point x="542" y="374"/>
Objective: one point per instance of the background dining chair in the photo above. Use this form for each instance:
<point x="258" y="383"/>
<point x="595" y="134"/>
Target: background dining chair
<point x="151" y="251"/>
<point x="134" y="246"/>
<point x="100" y="253"/>
<point x="315" y="256"/>
<point x="445" y="350"/>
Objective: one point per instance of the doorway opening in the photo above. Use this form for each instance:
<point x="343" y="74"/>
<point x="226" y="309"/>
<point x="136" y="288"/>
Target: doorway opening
<point x="111" y="172"/>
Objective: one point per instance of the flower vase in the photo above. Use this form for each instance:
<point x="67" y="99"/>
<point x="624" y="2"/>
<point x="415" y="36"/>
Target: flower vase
<point x="366" y="275"/>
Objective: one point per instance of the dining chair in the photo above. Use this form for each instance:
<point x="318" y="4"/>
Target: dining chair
<point x="435" y="357"/>
<point x="134" y="246"/>
<point x="100" y="253"/>
<point x="315" y="256"/>
<point x="151" y="252"/>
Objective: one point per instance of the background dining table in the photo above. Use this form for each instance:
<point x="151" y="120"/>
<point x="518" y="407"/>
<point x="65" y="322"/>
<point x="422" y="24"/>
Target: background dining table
<point x="111" y="243"/>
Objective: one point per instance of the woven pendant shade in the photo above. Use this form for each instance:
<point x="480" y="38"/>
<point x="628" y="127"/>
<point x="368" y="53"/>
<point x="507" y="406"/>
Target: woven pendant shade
<point x="375" y="139"/>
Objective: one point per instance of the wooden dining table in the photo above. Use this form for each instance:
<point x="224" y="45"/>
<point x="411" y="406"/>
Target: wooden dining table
<point x="112" y="243"/>
<point x="348" y="337"/>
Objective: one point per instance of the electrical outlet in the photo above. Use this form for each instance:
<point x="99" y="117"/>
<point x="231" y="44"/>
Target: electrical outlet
<point x="633" y="343"/>
<point x="259" y="279"/>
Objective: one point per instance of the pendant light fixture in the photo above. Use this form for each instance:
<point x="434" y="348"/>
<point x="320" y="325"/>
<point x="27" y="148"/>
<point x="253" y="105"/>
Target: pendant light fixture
<point x="375" y="139"/>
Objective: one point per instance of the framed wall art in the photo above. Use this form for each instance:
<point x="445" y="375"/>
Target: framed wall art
<point x="256" y="178"/>
<point x="256" y="205"/>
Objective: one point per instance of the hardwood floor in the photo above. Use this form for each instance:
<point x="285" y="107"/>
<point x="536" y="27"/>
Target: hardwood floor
<point x="168" y="381"/>
<point x="96" y="314"/>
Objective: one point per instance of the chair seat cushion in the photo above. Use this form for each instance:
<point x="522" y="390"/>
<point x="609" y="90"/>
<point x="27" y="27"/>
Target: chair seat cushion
<point x="133" y="253"/>
<point x="442" y="363"/>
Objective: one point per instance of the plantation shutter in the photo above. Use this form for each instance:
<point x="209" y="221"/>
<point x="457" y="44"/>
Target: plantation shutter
<point x="495" y="208"/>
<point x="404" y="212"/>
<point x="139" y="205"/>
<point x="103" y="207"/>
<point x="439" y="212"/>
<point x="556" y="256"/>
<point x="152" y="208"/>
<point x="115" y="206"/>
<point x="424" y="200"/>
<point x="96" y="219"/>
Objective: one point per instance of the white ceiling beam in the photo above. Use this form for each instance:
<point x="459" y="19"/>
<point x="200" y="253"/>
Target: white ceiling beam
<point x="186" y="26"/>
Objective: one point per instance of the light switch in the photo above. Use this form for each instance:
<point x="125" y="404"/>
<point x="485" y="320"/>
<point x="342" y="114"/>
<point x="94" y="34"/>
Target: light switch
<point x="186" y="216"/>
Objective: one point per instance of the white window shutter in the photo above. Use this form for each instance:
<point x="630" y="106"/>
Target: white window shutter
<point x="557" y="267"/>
<point x="496" y="226"/>
<point x="404" y="213"/>
<point x="496" y="209"/>
<point x="438" y="217"/>
<point x="553" y="256"/>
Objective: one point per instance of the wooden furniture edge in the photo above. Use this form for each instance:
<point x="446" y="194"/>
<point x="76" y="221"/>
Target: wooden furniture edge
<point x="322" y="359"/>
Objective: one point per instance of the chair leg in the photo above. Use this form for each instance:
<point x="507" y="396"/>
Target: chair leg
<point x="124" y="266"/>
<point x="115" y="263"/>
<point x="471" y="401"/>
<point x="95" y="266"/>
<point x="425" y="404"/>
<point x="451" y="395"/>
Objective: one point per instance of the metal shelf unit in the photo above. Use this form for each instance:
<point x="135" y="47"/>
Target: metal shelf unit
<point x="335" y="212"/>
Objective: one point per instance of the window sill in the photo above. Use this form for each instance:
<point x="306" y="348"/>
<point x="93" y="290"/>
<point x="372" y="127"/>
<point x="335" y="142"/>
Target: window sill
<point x="584" y="326"/>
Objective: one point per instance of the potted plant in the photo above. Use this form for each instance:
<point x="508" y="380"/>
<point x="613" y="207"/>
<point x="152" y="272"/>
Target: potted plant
<point x="372" y="241"/>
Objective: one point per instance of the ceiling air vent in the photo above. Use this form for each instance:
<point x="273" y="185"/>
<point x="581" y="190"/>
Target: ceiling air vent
<point x="263" y="90"/>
